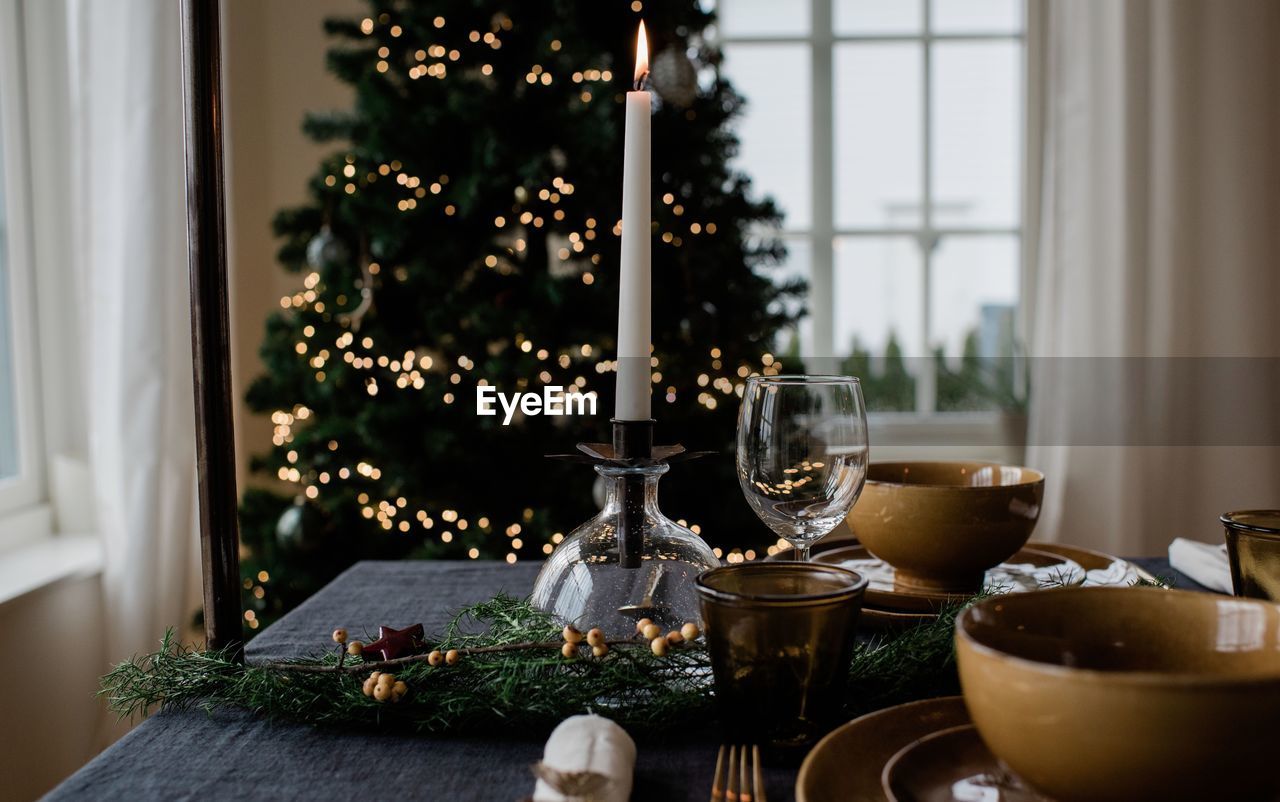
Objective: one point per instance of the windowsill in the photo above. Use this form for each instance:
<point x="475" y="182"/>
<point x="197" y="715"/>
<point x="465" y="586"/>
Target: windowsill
<point x="47" y="561"/>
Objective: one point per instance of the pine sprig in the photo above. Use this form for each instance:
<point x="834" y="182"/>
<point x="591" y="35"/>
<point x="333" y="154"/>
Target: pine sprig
<point x="916" y="663"/>
<point x="502" y="619"/>
<point x="531" y="688"/>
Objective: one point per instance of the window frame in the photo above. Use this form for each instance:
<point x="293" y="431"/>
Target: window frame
<point x="23" y="508"/>
<point x="822" y="233"/>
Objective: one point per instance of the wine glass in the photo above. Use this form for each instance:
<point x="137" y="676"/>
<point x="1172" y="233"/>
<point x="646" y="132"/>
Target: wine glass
<point x="802" y="453"/>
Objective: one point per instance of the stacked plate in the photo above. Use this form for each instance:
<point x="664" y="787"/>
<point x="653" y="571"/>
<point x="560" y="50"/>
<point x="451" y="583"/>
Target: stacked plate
<point x="915" y="752"/>
<point x="1037" y="566"/>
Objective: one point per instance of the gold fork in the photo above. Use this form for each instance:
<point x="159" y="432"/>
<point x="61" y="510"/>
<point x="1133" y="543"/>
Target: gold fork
<point x="733" y="786"/>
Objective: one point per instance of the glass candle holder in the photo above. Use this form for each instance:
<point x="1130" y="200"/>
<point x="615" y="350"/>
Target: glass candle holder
<point x="594" y="578"/>
<point x="780" y="635"/>
<point x="1253" y="547"/>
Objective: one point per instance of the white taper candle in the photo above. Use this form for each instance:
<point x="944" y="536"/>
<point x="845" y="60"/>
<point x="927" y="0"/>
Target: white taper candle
<point x="634" y="335"/>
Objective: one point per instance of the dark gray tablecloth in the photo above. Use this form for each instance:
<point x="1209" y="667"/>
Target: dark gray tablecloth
<point x="233" y="755"/>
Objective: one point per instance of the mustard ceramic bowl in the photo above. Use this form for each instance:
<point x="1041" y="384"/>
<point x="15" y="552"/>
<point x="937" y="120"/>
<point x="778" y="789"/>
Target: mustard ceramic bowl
<point x="941" y="525"/>
<point x="1124" y="694"/>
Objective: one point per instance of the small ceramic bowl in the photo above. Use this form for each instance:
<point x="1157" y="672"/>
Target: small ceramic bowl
<point x="1120" y="694"/>
<point x="941" y="525"/>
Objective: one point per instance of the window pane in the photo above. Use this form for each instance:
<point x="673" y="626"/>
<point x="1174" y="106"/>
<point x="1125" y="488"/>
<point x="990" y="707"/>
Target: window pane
<point x="861" y="17"/>
<point x="977" y="144"/>
<point x="763" y="18"/>
<point x="877" y="312"/>
<point x="775" y="128"/>
<point x="8" y="412"/>
<point x="976" y="16"/>
<point x="878" y="135"/>
<point x="795" y="343"/>
<point x="972" y="305"/>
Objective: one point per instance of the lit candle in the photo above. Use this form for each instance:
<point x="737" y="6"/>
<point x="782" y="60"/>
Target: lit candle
<point x="634" y="293"/>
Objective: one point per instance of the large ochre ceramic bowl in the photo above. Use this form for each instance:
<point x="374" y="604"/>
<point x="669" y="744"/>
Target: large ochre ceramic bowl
<point x="941" y="525"/>
<point x="1124" y="694"/>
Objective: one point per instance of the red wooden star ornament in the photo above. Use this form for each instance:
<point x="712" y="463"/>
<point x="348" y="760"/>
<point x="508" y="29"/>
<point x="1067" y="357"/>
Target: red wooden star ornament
<point x="393" y="643"/>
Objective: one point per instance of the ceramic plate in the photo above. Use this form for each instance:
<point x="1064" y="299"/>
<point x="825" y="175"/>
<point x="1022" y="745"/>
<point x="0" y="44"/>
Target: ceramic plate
<point x="948" y="765"/>
<point x="883" y="595"/>
<point x="1089" y="559"/>
<point x="835" y="540"/>
<point x="875" y="618"/>
<point x="846" y="765"/>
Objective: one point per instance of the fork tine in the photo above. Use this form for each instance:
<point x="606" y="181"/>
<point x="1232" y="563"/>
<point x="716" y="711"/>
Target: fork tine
<point x="731" y="793"/>
<point x="717" y="782"/>
<point x="757" y="779"/>
<point x="744" y="795"/>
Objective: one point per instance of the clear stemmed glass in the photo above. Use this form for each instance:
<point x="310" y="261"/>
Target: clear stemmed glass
<point x="802" y="453"/>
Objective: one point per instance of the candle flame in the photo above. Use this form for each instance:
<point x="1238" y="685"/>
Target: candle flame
<point x="642" y="57"/>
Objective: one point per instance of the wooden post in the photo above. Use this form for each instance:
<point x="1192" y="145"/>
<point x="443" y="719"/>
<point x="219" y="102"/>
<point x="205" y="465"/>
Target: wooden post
<point x="210" y="330"/>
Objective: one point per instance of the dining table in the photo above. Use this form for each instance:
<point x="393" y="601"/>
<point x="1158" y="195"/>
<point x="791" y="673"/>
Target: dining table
<point x="226" y="753"/>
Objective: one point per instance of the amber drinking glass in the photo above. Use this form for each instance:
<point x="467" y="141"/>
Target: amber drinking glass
<point x="1253" y="546"/>
<point x="780" y="636"/>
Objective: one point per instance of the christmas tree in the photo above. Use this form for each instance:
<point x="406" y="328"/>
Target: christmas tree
<point x="465" y="233"/>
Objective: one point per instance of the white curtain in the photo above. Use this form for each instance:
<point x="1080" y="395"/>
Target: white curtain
<point x="128" y="265"/>
<point x="1160" y="209"/>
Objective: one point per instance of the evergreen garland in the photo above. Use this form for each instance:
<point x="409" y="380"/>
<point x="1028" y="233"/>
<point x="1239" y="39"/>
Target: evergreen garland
<point x="492" y="692"/>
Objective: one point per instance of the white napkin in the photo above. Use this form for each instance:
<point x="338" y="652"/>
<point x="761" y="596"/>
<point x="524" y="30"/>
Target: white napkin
<point x="1014" y="577"/>
<point x="1204" y="563"/>
<point x="587" y="758"/>
<point x="1119" y="572"/>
